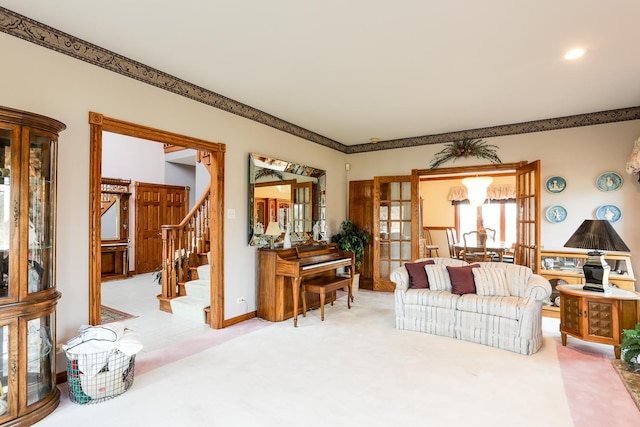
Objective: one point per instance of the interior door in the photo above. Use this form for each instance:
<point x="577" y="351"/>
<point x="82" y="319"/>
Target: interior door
<point x="395" y="208"/>
<point x="156" y="205"/>
<point x="528" y="215"/>
<point x="302" y="206"/>
<point x="361" y="214"/>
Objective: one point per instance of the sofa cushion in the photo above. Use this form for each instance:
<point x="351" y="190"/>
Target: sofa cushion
<point x="508" y="307"/>
<point x="438" y="277"/>
<point x="417" y="275"/>
<point x="430" y="298"/>
<point x="462" y="279"/>
<point x="491" y="282"/>
<point x="517" y="276"/>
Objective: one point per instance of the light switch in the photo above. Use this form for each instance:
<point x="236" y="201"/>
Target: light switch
<point x="231" y="214"/>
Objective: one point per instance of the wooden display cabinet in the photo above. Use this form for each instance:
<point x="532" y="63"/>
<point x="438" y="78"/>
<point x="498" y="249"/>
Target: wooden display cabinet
<point x="565" y="267"/>
<point x="597" y="316"/>
<point x="28" y="294"/>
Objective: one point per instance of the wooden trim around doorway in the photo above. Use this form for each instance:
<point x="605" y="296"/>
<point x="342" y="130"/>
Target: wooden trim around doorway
<point x="98" y="124"/>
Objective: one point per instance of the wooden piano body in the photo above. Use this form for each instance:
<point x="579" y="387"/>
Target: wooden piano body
<point x="282" y="271"/>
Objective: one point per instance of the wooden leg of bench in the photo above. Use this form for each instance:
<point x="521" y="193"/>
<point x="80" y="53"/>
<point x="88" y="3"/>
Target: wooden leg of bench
<point x="349" y="297"/>
<point x="304" y="302"/>
<point x="322" y="304"/>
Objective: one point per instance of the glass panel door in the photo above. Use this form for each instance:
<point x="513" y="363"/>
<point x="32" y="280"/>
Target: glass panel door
<point x="393" y="228"/>
<point x="40" y="366"/>
<point x="9" y="231"/>
<point x="8" y="363"/>
<point x="528" y="215"/>
<point x="41" y="215"/>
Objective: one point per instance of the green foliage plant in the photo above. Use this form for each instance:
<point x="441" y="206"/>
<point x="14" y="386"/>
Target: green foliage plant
<point x="466" y="147"/>
<point x="630" y="347"/>
<point x="352" y="239"/>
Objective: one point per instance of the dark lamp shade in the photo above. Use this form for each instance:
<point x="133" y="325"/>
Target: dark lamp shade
<point x="597" y="235"/>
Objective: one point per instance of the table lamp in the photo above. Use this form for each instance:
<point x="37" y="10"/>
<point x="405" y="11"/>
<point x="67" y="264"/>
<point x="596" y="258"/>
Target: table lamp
<point x="273" y="231"/>
<point x="597" y="235"/>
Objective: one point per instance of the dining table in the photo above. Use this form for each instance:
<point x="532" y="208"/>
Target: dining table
<point x="492" y="246"/>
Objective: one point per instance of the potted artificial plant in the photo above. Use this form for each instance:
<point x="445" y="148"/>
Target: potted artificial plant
<point x="630" y="348"/>
<point x="350" y="238"/>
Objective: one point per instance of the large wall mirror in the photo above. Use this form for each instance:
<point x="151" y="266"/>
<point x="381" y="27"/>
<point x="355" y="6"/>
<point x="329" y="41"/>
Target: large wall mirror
<point x="289" y="194"/>
<point x="114" y="226"/>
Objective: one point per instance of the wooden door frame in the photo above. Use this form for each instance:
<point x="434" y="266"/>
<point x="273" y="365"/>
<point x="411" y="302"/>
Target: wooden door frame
<point x="99" y="124"/>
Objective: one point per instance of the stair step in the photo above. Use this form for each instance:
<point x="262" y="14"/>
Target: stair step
<point x="204" y="272"/>
<point x="199" y="289"/>
<point x="191" y="308"/>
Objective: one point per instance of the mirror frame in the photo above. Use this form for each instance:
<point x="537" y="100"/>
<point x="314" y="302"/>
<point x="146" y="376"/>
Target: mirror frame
<point x="282" y="171"/>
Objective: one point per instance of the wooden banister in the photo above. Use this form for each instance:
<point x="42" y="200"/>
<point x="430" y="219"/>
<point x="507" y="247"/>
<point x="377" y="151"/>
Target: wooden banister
<point x="181" y="244"/>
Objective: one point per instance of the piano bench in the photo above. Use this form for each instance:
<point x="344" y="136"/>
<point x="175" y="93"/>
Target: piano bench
<point x="322" y="286"/>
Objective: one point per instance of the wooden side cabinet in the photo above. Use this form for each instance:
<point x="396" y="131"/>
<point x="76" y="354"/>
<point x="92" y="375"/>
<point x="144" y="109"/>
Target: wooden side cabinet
<point x="565" y="267"/>
<point x="595" y="316"/>
<point x="28" y="295"/>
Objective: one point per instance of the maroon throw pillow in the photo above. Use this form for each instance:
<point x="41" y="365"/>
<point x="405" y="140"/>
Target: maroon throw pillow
<point x="417" y="275"/>
<point x="462" y="279"/>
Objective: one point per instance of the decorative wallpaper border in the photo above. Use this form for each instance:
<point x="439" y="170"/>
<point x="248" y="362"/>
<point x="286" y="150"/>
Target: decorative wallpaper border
<point x="590" y="119"/>
<point x="35" y="32"/>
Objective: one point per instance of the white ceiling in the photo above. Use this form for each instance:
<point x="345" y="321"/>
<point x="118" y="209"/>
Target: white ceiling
<point x="352" y="70"/>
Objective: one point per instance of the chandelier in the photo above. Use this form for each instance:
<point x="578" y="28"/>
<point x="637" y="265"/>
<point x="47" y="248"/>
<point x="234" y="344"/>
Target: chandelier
<point x="477" y="189"/>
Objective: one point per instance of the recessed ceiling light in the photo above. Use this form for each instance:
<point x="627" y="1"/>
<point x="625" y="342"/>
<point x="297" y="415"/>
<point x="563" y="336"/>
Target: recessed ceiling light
<point x="575" y="53"/>
<point x="374" y="140"/>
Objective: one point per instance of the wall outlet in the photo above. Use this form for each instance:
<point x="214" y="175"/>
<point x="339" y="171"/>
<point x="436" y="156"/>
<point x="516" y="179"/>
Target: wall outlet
<point x="240" y="300"/>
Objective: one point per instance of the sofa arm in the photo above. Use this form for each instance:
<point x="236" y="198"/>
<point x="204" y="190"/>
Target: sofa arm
<point x="538" y="288"/>
<point x="400" y="276"/>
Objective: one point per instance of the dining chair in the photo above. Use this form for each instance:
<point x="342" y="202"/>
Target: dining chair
<point x="491" y="233"/>
<point x="429" y="247"/>
<point x="451" y="241"/>
<point x="472" y="250"/>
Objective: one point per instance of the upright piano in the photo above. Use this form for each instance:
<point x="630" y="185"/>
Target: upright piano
<point x="282" y="271"/>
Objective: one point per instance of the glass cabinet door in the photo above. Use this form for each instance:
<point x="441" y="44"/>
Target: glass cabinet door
<point x="8" y="363"/>
<point x="40" y="265"/>
<point x="40" y="348"/>
<point x="7" y="135"/>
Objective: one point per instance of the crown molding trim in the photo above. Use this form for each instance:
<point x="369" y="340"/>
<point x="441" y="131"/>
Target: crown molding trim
<point x="35" y="32"/>
<point x="578" y="120"/>
<point x="40" y="34"/>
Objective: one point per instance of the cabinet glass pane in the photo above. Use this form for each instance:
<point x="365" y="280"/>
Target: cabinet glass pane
<point x="41" y="216"/>
<point x="5" y="209"/>
<point x="40" y="376"/>
<point x="5" y="352"/>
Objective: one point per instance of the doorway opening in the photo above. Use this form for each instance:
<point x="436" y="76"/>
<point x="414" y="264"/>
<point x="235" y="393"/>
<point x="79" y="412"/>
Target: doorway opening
<point x="99" y="124"/>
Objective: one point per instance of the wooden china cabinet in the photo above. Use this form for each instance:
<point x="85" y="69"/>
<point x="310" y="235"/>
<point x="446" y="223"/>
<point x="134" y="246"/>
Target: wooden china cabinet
<point x="28" y="294"/>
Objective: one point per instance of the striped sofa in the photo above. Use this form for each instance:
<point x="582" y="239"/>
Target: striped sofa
<point x="505" y="310"/>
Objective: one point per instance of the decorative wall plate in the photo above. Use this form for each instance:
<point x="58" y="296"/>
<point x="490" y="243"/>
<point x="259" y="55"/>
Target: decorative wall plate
<point x="609" y="212"/>
<point x="609" y="181"/>
<point x="555" y="184"/>
<point x="556" y="214"/>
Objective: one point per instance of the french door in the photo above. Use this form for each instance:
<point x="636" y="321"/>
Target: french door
<point x="395" y="224"/>
<point x="528" y="215"/>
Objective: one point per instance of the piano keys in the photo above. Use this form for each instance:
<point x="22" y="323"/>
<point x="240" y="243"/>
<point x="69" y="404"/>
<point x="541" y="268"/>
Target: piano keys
<point x="282" y="271"/>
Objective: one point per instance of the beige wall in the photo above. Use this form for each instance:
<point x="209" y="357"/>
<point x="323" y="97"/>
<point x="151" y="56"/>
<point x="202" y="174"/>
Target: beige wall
<point x="48" y="83"/>
<point x="578" y="154"/>
<point x="45" y="82"/>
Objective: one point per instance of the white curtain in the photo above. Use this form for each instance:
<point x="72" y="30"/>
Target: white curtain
<point x="494" y="192"/>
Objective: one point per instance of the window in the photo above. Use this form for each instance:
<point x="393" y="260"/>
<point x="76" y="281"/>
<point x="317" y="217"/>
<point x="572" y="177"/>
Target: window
<point x="499" y="215"/>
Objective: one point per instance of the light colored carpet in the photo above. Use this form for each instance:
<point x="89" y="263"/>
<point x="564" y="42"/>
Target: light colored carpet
<point x="352" y="369"/>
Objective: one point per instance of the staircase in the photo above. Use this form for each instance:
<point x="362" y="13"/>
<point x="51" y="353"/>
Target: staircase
<point x="185" y="253"/>
<point x="192" y="306"/>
